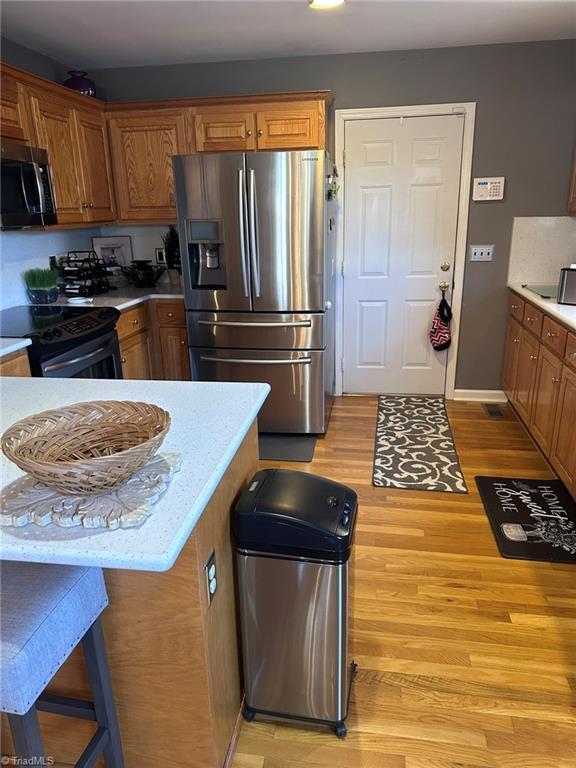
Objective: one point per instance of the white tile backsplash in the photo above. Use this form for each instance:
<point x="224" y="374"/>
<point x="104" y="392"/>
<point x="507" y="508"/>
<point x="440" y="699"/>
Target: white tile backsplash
<point x="21" y="250"/>
<point x="540" y="246"/>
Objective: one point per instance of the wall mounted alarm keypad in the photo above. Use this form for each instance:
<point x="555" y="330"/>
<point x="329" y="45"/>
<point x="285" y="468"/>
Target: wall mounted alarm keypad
<point x="488" y="188"/>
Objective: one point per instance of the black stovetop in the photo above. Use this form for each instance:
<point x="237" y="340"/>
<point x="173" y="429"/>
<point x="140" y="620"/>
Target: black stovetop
<point x="52" y="324"/>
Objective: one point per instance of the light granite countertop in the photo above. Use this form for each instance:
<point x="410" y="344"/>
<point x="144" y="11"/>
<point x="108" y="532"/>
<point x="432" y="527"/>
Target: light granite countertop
<point x="127" y="297"/>
<point x="8" y="346"/>
<point x="209" y="422"/>
<point x="565" y="313"/>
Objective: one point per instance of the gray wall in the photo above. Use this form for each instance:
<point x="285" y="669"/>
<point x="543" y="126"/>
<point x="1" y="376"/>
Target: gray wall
<point x="525" y="130"/>
<point x="25" y="58"/>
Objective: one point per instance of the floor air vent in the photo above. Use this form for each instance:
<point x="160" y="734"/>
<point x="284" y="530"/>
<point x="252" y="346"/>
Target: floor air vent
<point x="494" y="410"/>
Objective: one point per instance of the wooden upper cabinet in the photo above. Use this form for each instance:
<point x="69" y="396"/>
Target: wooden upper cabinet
<point x="143" y="144"/>
<point x="221" y="131"/>
<point x="294" y="126"/>
<point x="55" y="129"/>
<point x="268" y="125"/>
<point x="572" y="195"/>
<point x="98" y="189"/>
<point x="14" y="116"/>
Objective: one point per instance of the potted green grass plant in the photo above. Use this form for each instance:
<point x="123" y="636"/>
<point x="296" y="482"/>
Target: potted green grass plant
<point x="41" y="285"/>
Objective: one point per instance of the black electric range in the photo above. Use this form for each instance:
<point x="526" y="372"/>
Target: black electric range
<point x="66" y="341"/>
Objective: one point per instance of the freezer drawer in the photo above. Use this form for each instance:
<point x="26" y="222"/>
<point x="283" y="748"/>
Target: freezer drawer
<point x="296" y="402"/>
<point x="248" y="330"/>
<point x="294" y="636"/>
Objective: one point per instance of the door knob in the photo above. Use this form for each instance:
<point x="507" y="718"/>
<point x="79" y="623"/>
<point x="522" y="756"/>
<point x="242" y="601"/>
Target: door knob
<point x="445" y="266"/>
<point x="443" y="286"/>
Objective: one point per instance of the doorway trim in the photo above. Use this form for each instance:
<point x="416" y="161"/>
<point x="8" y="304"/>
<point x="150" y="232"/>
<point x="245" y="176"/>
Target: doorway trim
<point x="468" y="109"/>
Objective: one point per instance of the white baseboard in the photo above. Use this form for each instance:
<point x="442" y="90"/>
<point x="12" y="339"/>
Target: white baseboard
<point x="481" y="395"/>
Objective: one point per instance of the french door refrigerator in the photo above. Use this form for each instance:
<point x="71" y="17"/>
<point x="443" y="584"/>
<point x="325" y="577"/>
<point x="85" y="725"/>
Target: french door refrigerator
<point x="258" y="259"/>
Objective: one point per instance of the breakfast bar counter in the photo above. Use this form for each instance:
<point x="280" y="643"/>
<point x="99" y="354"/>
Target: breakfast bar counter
<point x="173" y="652"/>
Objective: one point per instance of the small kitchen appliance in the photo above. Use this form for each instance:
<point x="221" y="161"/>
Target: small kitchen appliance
<point x="293" y="533"/>
<point x="27" y="199"/>
<point x="567" y="285"/>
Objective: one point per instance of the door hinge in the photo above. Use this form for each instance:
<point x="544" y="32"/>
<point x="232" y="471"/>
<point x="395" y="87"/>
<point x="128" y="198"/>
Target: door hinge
<point x="342" y="364"/>
<point x="343" y="158"/>
<point x="342" y="267"/>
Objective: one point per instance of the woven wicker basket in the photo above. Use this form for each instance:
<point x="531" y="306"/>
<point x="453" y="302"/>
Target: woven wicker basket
<point x="87" y="448"/>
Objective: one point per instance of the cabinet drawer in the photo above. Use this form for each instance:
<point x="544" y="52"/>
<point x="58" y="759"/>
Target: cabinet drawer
<point x="132" y="320"/>
<point x="516" y="306"/>
<point x="570" y="355"/>
<point x="170" y="313"/>
<point x="533" y="319"/>
<point x="554" y="335"/>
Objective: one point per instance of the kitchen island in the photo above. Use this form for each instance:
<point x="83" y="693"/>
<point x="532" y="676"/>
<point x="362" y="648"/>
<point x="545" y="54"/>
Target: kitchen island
<point x="173" y="655"/>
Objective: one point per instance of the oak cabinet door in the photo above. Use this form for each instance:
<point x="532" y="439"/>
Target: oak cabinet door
<point x="96" y="169"/>
<point x="142" y="149"/>
<point x="135" y="354"/>
<point x="15" y="365"/>
<point x="525" y="374"/>
<point x="545" y="400"/>
<point x="55" y="129"/>
<point x="174" y="352"/>
<point x="511" y="356"/>
<point x="563" y="451"/>
<point x="291" y="127"/>
<point x="224" y="131"/>
<point x="14" y="117"/>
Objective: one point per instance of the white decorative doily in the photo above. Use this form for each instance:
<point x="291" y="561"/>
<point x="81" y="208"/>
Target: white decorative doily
<point x="27" y="501"/>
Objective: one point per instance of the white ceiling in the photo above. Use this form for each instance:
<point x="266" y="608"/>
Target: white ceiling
<point x="111" y="33"/>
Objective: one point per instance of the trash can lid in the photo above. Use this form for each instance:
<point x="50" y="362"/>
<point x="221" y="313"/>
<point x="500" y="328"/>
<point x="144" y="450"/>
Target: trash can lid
<point x="298" y="514"/>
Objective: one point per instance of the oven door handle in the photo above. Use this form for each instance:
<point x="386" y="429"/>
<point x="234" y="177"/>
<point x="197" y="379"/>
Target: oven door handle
<point x="81" y="359"/>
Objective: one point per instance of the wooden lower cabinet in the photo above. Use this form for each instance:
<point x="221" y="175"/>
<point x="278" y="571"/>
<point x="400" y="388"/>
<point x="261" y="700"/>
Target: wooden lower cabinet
<point x="511" y="356"/>
<point x="545" y="398"/>
<point x="15" y="364"/>
<point x="174" y="353"/>
<point x="525" y="374"/>
<point x="563" y="448"/>
<point x="539" y="379"/>
<point x="135" y="354"/>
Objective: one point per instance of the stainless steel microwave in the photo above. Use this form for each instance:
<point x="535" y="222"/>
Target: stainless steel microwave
<point x="27" y="199"/>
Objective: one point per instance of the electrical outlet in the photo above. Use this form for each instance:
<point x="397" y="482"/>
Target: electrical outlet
<point x="211" y="576"/>
<point x="481" y="252"/>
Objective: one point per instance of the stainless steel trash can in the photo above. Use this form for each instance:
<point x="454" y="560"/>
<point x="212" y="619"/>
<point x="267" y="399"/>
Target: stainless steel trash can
<point x="293" y="534"/>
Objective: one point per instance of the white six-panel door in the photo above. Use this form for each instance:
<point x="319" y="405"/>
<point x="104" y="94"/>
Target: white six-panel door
<point x="402" y="180"/>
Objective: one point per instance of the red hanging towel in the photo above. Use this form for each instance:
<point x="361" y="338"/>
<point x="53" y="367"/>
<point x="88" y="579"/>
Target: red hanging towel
<point x="440" y="334"/>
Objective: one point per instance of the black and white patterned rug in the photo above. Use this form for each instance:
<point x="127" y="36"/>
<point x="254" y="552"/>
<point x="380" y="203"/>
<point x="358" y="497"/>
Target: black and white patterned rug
<point x="414" y="446"/>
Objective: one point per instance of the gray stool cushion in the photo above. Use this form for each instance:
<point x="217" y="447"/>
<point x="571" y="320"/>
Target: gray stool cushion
<point x="45" y="610"/>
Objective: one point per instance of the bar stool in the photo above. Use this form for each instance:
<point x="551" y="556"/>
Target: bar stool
<point x="45" y="611"/>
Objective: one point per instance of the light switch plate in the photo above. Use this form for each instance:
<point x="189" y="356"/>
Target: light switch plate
<point x="211" y="576"/>
<point x="481" y="252"/>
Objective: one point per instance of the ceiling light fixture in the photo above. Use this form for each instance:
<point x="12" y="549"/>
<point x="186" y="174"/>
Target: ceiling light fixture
<point x="324" y="5"/>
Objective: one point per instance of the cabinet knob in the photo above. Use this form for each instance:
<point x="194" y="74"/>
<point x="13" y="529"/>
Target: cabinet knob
<point x="555" y="380"/>
<point x="573" y="355"/>
<point x="123" y="360"/>
<point x="551" y="334"/>
<point x="182" y="342"/>
<point x="529" y="319"/>
<point x="516" y="341"/>
<point x="515" y="306"/>
<point x="170" y="314"/>
<point x="533" y="357"/>
<point x="135" y="322"/>
<point x="248" y="132"/>
<point x="260" y="132"/>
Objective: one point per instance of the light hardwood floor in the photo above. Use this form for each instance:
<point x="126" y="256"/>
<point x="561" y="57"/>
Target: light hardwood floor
<point x="466" y="660"/>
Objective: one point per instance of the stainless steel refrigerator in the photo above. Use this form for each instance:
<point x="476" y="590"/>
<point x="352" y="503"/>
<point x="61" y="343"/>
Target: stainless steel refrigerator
<point x="258" y="259"/>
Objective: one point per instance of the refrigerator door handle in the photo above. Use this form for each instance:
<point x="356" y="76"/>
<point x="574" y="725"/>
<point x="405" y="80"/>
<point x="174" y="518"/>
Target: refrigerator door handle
<point x="242" y="216"/>
<point x="254" y="253"/>
<point x="257" y="324"/>
<point x="244" y="361"/>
